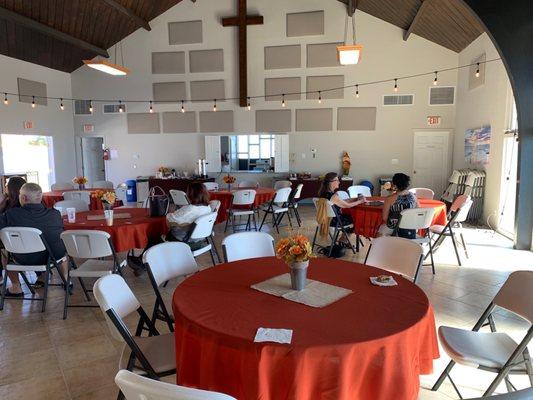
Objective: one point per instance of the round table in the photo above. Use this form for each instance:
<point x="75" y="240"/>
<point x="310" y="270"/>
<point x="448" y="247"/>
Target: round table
<point x="126" y="233"/>
<point x="262" y="195"/>
<point x="52" y="197"/>
<point x="368" y="219"/>
<point x="372" y="344"/>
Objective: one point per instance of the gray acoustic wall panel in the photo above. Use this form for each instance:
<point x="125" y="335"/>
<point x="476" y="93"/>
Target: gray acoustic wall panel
<point x="356" y="118"/>
<point x="28" y="88"/>
<point x="187" y="32"/>
<point x="178" y="122"/>
<point x="208" y="90"/>
<point x="315" y="83"/>
<point x="168" y="62"/>
<point x="322" y="55"/>
<point x="314" y="120"/>
<point x="168" y="92"/>
<point x="139" y="123"/>
<point x="216" y="122"/>
<point x="278" y="57"/>
<point x="206" y="60"/>
<point x="273" y="121"/>
<point x="305" y="24"/>
<point x="278" y="86"/>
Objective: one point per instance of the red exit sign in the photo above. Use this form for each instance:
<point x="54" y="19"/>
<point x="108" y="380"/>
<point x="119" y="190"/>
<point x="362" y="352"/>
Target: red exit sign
<point x="434" y="120"/>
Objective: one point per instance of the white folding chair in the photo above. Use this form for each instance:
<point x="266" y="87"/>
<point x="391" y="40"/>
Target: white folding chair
<point x="395" y="254"/>
<point x="282" y="184"/>
<point x="215" y="205"/>
<point x="79" y="205"/>
<point x="245" y="245"/>
<point x="166" y="261"/>
<point x="153" y="355"/>
<point x="211" y="185"/>
<point x="62" y="186"/>
<point x="248" y="184"/>
<point x="423" y="193"/>
<point x="278" y="207"/>
<point x="458" y="214"/>
<point x="494" y="351"/>
<point x="80" y="195"/>
<point x="201" y="236"/>
<point x="243" y="201"/>
<point x="135" y="387"/>
<point x="417" y="219"/>
<point x="179" y="197"/>
<point x="355" y="190"/>
<point x="122" y="194"/>
<point x="23" y="240"/>
<point x="524" y="394"/>
<point x="102" y="185"/>
<point x="343" y="195"/>
<point x="91" y="246"/>
<point x="293" y="202"/>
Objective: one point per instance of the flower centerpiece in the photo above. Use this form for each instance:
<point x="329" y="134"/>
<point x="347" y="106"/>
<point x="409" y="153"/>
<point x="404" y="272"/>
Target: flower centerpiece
<point x="229" y="179"/>
<point x="80" y="181"/>
<point x="106" y="197"/>
<point x="164" y="172"/>
<point x="296" y="252"/>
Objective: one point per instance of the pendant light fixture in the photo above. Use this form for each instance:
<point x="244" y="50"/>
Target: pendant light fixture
<point x="151" y="107"/>
<point x="349" y="54"/>
<point x="107" y="66"/>
<point x="6" y="101"/>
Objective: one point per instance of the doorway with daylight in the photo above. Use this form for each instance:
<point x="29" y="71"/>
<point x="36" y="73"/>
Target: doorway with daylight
<point x="92" y="158"/>
<point x="29" y="155"/>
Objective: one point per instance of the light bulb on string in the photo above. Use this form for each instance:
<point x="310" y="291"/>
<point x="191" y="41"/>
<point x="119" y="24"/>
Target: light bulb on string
<point x="357" y="91"/>
<point x="395" y="85"/>
<point x="6" y="101"/>
<point x="215" y="106"/>
<point x="249" y="106"/>
<point x="182" y="107"/>
<point x="477" y="71"/>
<point x="436" y="80"/>
<point x="319" y="97"/>
<point x="120" y="109"/>
<point x="32" y="101"/>
<point x="151" y="107"/>
<point x="283" y="100"/>
<point x="61" y="106"/>
<point x="91" y="106"/>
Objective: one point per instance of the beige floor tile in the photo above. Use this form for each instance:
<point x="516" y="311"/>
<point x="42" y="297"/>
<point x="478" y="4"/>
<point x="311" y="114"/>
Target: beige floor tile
<point x="75" y="333"/>
<point x="107" y="392"/>
<point x="18" y="346"/>
<point x="39" y="363"/>
<point x="86" y="378"/>
<point x="36" y="388"/>
<point x="85" y="352"/>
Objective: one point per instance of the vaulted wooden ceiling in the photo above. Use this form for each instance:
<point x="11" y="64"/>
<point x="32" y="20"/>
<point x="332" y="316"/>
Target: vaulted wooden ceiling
<point x="59" y="34"/>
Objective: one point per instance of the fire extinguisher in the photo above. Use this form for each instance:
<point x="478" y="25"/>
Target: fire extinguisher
<point x="106" y="155"/>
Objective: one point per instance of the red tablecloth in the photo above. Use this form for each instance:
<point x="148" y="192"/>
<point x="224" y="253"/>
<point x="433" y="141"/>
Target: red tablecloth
<point x="126" y="234"/>
<point x="371" y="345"/>
<point x="368" y="218"/>
<point x="262" y="195"/>
<point x="51" y="198"/>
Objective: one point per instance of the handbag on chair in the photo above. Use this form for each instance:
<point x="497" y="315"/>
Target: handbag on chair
<point x="158" y="203"/>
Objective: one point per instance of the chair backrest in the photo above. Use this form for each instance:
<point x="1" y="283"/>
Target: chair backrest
<point x="79" y="205"/>
<point x="102" y="185"/>
<point x="137" y="387"/>
<point x="215" y="205"/>
<point x="330" y="210"/>
<point x="121" y="193"/>
<point x="87" y="243"/>
<point x="395" y="254"/>
<point x="355" y="190"/>
<point x="282" y="195"/>
<point x="298" y="191"/>
<point x="179" y="197"/>
<point x="211" y="185"/>
<point x="169" y="260"/>
<point x="248" y="184"/>
<point x="423" y="193"/>
<point x="416" y="218"/>
<point x="62" y="186"/>
<point x="22" y="240"/>
<point x="343" y="195"/>
<point x="80" y="195"/>
<point x="203" y="226"/>
<point x="282" y="184"/>
<point x="515" y="294"/>
<point x="244" y="245"/>
<point x="244" y="197"/>
<point x="462" y="214"/>
<point x="458" y="202"/>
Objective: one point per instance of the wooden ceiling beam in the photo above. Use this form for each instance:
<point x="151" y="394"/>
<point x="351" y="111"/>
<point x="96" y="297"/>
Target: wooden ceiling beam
<point x="141" y="23"/>
<point x="416" y="19"/>
<point x="29" y="23"/>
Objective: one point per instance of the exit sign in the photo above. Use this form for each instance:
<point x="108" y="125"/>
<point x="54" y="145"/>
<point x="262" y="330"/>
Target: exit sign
<point x="27" y="124"/>
<point x="88" y="128"/>
<point x="434" y="120"/>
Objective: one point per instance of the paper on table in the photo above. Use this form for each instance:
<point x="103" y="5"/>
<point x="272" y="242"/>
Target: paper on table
<point x="317" y="294"/>
<point x="273" y="335"/>
<point x="390" y="282"/>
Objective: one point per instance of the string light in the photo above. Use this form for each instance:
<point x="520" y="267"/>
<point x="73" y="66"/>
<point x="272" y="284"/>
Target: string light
<point x="396" y="84"/>
<point x="215" y="106"/>
<point x="249" y="105"/>
<point x="477" y="71"/>
<point x="32" y="101"/>
<point x="61" y="106"/>
<point x="319" y="97"/>
<point x="436" y="80"/>
<point x="182" y="107"/>
<point x="120" y="110"/>
<point x="91" y="106"/>
<point x="6" y="101"/>
<point x="357" y="91"/>
<point x="283" y="100"/>
<point x="151" y="108"/>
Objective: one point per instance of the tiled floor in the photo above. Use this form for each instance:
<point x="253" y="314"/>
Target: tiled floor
<point x="44" y="357"/>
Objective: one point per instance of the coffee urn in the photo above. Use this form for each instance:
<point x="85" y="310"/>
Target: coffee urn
<point x="202" y="168"/>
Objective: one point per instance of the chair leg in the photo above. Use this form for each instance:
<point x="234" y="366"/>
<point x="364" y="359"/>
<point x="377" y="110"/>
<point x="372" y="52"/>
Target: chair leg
<point x="314" y="238"/>
<point x="431" y="255"/>
<point x="255" y="222"/>
<point x="233" y="223"/>
<point x="212" y="257"/>
<point x="297" y="214"/>
<point x="67" y="294"/>
<point x="27" y="282"/>
<point x="263" y="221"/>
<point x="333" y="241"/>
<point x="227" y="220"/>
<point x="452" y="235"/>
<point x="84" y="289"/>
<point x="464" y="244"/>
<point x="289" y="216"/>
<point x="46" y="283"/>
<point x="3" y="296"/>
<point x="443" y="376"/>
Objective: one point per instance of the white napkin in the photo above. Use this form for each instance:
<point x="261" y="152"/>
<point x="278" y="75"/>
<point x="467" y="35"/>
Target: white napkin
<point x="390" y="282"/>
<point x="273" y="335"/>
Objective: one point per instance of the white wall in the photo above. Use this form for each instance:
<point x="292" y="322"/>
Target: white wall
<point x="47" y="120"/>
<point x="485" y="105"/>
<point x="386" y="55"/>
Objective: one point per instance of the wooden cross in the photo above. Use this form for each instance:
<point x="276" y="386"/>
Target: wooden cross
<point x="242" y="21"/>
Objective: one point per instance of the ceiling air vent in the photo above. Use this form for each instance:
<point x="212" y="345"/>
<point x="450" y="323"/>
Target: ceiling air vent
<point x="81" y="107"/>
<point x="398" y="100"/>
<point x="441" y="96"/>
<point x="113" y="108"/>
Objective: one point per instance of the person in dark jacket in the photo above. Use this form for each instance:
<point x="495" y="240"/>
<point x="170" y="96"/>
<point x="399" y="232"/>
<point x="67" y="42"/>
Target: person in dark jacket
<point x="33" y="214"/>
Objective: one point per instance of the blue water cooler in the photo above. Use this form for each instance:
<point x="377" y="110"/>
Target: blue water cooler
<point x="131" y="191"/>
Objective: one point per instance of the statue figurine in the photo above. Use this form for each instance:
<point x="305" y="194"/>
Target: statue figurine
<point x="346" y="164"/>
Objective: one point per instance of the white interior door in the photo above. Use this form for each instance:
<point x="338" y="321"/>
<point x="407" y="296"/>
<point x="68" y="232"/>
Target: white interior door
<point x="92" y="149"/>
<point x="431" y="160"/>
<point x="212" y="154"/>
<point x="281" y="153"/>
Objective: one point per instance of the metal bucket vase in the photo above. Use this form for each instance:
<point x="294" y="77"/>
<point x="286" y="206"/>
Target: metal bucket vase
<point x="298" y="271"/>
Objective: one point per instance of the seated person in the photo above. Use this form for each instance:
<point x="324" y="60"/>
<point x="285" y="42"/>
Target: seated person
<point x="12" y="189"/>
<point x="395" y="204"/>
<point x="33" y="214"/>
<point x="181" y="221"/>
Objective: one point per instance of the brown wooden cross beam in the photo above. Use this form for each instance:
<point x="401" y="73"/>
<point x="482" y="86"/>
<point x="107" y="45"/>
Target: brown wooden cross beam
<point x="242" y="21"/>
